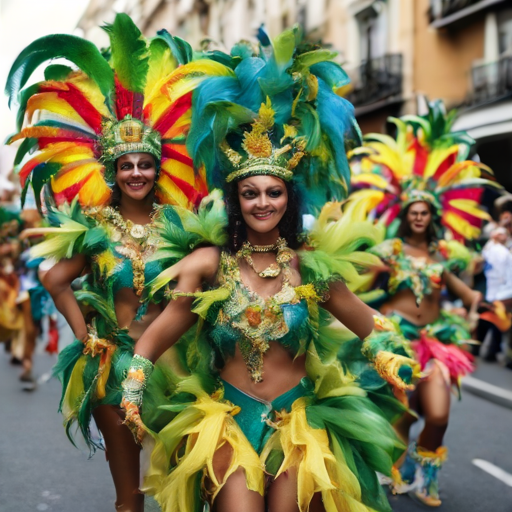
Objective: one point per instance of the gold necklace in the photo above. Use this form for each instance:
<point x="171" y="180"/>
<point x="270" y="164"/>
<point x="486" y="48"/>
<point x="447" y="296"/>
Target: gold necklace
<point x="284" y="255"/>
<point x="139" y="232"/>
<point x="136" y="243"/>
<point x="265" y="248"/>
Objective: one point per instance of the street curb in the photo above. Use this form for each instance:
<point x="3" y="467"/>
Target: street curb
<point x="488" y="391"/>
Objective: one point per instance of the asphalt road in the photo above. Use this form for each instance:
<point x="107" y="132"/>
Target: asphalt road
<point x="41" y="471"/>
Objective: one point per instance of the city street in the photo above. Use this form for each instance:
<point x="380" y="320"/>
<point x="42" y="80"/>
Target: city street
<point x="41" y="471"/>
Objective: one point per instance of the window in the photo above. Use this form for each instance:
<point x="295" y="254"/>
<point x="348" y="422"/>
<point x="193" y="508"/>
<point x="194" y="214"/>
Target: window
<point x="505" y="32"/>
<point x="372" y="26"/>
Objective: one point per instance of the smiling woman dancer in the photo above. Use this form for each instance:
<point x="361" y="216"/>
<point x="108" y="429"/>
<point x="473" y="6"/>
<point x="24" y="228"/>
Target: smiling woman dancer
<point x="267" y="418"/>
<point x="111" y="142"/>
<point x="423" y="186"/>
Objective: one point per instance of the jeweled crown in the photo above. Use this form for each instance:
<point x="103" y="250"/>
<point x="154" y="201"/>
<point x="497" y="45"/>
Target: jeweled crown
<point x="128" y="136"/>
<point x="260" y="154"/>
<point x="417" y="190"/>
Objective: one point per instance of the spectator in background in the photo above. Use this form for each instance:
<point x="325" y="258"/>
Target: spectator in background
<point x="504" y="204"/>
<point x="498" y="274"/>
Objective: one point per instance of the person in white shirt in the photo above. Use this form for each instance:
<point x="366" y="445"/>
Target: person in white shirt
<point x="498" y="275"/>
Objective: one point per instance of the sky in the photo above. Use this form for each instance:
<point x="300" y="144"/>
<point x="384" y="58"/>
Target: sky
<point x="21" y="22"/>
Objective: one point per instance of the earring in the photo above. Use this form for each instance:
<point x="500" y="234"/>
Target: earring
<point x="235" y="235"/>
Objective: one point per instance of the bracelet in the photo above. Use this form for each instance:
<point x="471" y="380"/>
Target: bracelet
<point x="136" y="381"/>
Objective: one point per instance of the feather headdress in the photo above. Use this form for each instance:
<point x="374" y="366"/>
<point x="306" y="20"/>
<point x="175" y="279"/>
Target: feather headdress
<point x="279" y="114"/>
<point x="425" y="162"/>
<point x="134" y="97"/>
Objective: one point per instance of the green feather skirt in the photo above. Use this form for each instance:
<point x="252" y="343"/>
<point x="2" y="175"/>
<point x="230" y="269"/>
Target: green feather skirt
<point x="90" y="381"/>
<point x="327" y="429"/>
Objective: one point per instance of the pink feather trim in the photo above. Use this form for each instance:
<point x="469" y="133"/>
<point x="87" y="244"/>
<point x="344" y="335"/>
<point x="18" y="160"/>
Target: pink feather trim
<point x="458" y="361"/>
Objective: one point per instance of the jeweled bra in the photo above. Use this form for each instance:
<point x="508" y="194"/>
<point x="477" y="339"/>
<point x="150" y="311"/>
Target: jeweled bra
<point x="125" y="263"/>
<point x="418" y="274"/>
<point x="253" y="322"/>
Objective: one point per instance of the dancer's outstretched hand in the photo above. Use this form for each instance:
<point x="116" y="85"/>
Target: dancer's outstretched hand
<point x="132" y="419"/>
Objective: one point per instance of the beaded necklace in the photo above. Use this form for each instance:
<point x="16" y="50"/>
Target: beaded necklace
<point x="137" y="242"/>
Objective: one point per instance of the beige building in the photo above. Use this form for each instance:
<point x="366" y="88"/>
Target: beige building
<point x="400" y="51"/>
<point x="396" y="52"/>
<point x="223" y="21"/>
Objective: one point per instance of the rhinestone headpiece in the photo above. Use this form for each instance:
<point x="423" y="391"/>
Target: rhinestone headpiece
<point x="261" y="155"/>
<point x="127" y="136"/>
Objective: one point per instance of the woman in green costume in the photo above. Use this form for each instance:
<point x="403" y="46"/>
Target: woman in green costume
<point x="422" y="188"/>
<point x="110" y="143"/>
<point x="266" y="417"/>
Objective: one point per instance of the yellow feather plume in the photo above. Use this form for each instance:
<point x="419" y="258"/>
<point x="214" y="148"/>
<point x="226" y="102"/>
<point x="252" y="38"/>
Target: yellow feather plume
<point x="51" y="102"/>
<point x="471" y="207"/>
<point x="461" y="226"/>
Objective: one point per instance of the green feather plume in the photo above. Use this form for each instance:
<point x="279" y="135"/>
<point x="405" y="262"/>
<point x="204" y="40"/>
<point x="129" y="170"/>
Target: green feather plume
<point x="210" y="221"/>
<point x="75" y="49"/>
<point x="99" y="303"/>
<point x="60" y="242"/>
<point x="337" y="247"/>
<point x="130" y="54"/>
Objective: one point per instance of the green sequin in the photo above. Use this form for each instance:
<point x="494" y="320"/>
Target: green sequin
<point x="417" y="274"/>
<point x="253" y="322"/>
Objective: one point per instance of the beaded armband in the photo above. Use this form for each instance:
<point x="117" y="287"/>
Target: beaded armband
<point x="137" y="379"/>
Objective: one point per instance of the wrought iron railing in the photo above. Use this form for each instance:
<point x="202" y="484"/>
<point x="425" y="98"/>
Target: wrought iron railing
<point x="491" y="81"/>
<point x="440" y="9"/>
<point x="377" y="79"/>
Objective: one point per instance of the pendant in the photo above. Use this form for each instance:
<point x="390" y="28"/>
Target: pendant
<point x="138" y="231"/>
<point x="271" y="271"/>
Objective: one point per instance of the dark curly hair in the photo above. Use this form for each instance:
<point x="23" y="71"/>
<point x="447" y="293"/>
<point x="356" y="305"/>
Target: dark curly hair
<point x="405" y="231"/>
<point x="290" y="226"/>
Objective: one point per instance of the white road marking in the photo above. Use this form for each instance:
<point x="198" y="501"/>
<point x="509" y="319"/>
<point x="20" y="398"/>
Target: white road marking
<point x="488" y="391"/>
<point x="493" y="470"/>
<point x="489" y="388"/>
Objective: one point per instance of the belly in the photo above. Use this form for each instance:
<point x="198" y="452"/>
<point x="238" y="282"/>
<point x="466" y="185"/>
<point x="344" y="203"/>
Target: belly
<point x="404" y="303"/>
<point x="126" y="305"/>
<point x="281" y="372"/>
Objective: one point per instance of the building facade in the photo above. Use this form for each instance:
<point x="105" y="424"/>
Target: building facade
<point x="397" y="52"/>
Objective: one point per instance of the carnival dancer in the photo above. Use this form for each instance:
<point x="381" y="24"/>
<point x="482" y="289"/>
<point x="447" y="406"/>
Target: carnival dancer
<point x="421" y="187"/>
<point x="23" y="300"/>
<point x="11" y="316"/>
<point x="110" y="139"/>
<point x="267" y="418"/>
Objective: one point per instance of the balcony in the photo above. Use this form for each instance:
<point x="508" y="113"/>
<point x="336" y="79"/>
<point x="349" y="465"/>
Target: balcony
<point x="455" y="12"/>
<point x="377" y="82"/>
<point x="491" y="82"/>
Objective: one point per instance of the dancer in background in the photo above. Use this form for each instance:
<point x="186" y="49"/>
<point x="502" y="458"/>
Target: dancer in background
<point x="11" y="316"/>
<point x="267" y="418"/>
<point x="24" y="301"/>
<point x="110" y="144"/>
<point x="420" y="186"/>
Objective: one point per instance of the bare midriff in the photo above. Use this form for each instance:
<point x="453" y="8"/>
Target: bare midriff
<point x="404" y="303"/>
<point x="126" y="305"/>
<point x="281" y="372"/>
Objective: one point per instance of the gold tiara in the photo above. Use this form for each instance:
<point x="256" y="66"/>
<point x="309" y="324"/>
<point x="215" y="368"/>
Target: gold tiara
<point x="262" y="157"/>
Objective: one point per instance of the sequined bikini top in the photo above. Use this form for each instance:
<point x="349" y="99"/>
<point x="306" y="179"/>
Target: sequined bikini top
<point x="252" y="321"/>
<point x="418" y="274"/>
<point x="125" y="261"/>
